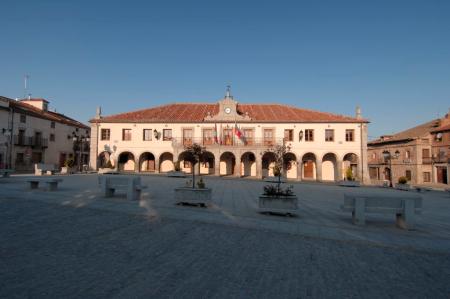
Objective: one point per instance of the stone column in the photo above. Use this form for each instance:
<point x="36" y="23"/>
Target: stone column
<point x="339" y="164"/>
<point x="216" y="166"/>
<point x="137" y="167"/>
<point x="156" y="165"/>
<point x="258" y="166"/>
<point x="299" y="170"/>
<point x="363" y="167"/>
<point x="318" y="170"/>
<point x="237" y="167"/>
<point x="93" y="153"/>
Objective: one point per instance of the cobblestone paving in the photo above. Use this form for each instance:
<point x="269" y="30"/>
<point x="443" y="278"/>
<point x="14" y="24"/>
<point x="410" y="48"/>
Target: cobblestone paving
<point x="52" y="251"/>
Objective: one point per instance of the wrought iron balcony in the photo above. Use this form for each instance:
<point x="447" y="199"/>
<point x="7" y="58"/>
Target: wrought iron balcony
<point x="39" y="142"/>
<point x="227" y="142"/>
<point x="22" y="140"/>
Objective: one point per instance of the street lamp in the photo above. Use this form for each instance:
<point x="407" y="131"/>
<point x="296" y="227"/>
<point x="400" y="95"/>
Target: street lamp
<point x="387" y="156"/>
<point x="80" y="140"/>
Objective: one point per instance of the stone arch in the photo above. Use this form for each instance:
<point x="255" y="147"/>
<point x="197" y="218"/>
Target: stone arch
<point x="166" y="162"/>
<point x="126" y="162"/>
<point x="207" y="163"/>
<point x="329" y="167"/>
<point x="185" y="159"/>
<point x="350" y="160"/>
<point x="227" y="163"/>
<point x="147" y="162"/>
<point x="268" y="162"/>
<point x="248" y="164"/>
<point x="290" y="165"/>
<point x="309" y="171"/>
<point x="103" y="159"/>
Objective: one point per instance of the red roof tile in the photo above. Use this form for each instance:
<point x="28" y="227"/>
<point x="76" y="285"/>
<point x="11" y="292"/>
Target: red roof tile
<point x="189" y="112"/>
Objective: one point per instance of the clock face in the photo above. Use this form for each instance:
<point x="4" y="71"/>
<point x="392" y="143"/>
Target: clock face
<point x="228" y="110"/>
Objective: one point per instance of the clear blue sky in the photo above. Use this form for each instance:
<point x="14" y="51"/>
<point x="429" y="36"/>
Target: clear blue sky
<point x="390" y="57"/>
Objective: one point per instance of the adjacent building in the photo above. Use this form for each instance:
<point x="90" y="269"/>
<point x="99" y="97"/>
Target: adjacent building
<point x="236" y="137"/>
<point x="441" y="151"/>
<point x="420" y="154"/>
<point x="30" y="133"/>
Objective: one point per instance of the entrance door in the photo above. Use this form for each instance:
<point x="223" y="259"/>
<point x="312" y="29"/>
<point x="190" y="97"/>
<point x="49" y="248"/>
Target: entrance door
<point x="308" y="169"/>
<point x="442" y="175"/>
<point x="62" y="159"/>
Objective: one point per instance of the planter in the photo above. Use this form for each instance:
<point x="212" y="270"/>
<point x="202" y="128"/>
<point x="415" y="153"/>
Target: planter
<point x="197" y="196"/>
<point x="67" y="170"/>
<point x="349" y="183"/>
<point x="403" y="187"/>
<point x="176" y="174"/>
<point x="107" y="171"/>
<point x="287" y="205"/>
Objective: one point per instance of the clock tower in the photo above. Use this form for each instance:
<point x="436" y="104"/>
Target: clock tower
<point x="228" y="110"/>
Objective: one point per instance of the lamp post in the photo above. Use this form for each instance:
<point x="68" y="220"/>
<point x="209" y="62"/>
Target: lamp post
<point x="80" y="140"/>
<point x="387" y="156"/>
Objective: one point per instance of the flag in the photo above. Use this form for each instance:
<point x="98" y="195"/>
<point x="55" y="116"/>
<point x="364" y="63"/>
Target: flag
<point x="220" y="136"/>
<point x="237" y="132"/>
<point x="216" y="138"/>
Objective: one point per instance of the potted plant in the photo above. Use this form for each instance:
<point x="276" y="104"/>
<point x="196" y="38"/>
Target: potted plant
<point x="177" y="171"/>
<point x="276" y="199"/>
<point x="68" y="166"/>
<point x="402" y="184"/>
<point x="193" y="193"/>
<point x="349" y="179"/>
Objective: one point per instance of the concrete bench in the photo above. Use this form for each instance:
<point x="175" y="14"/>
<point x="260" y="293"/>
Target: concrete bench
<point x="41" y="169"/>
<point x="109" y="184"/>
<point x="5" y="172"/>
<point x="52" y="184"/>
<point x="404" y="207"/>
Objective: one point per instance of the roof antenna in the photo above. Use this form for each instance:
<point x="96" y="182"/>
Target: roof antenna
<point x="25" y="90"/>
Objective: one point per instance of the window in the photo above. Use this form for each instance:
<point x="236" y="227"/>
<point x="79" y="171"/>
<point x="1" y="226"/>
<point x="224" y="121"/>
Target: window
<point x="309" y="135"/>
<point x="426" y="177"/>
<point x="288" y="135"/>
<point x="208" y="137"/>
<point x="374" y="173"/>
<point x="349" y="135"/>
<point x="268" y="137"/>
<point x="408" y="175"/>
<point x="329" y="135"/>
<point x="126" y="134"/>
<point x="187" y="137"/>
<point x="249" y="136"/>
<point x="374" y="156"/>
<point x="407" y="154"/>
<point x="147" y="135"/>
<point x="167" y="134"/>
<point x="52" y="137"/>
<point x="23" y="118"/>
<point x="105" y="134"/>
<point x="52" y="125"/>
<point x="425" y="153"/>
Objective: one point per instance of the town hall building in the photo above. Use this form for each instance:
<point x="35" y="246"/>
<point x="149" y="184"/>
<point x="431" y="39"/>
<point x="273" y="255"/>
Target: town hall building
<point x="237" y="138"/>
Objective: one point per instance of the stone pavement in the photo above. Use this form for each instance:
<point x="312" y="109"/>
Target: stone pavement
<point x="73" y="243"/>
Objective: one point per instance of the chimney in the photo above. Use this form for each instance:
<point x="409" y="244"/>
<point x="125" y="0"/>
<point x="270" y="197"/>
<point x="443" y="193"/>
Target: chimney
<point x="98" y="114"/>
<point x="358" y="112"/>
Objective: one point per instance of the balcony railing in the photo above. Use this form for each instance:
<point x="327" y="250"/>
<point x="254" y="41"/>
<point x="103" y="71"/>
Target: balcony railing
<point x="39" y="142"/>
<point x="21" y="140"/>
<point x="227" y="142"/>
<point x="427" y="160"/>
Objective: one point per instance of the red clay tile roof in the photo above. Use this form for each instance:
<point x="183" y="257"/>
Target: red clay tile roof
<point x="409" y="134"/>
<point x="190" y="112"/>
<point x="441" y="129"/>
<point x="52" y="116"/>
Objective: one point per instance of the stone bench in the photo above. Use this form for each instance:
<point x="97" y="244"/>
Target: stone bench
<point x="52" y="184"/>
<point x="404" y="207"/>
<point x="41" y="169"/>
<point x="109" y="184"/>
<point x="5" y="172"/>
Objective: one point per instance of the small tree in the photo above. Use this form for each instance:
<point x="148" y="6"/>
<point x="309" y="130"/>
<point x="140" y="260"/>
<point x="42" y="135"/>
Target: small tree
<point x="194" y="153"/>
<point x="279" y="152"/>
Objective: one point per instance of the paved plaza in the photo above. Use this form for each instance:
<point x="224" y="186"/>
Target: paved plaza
<point x="72" y="243"/>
